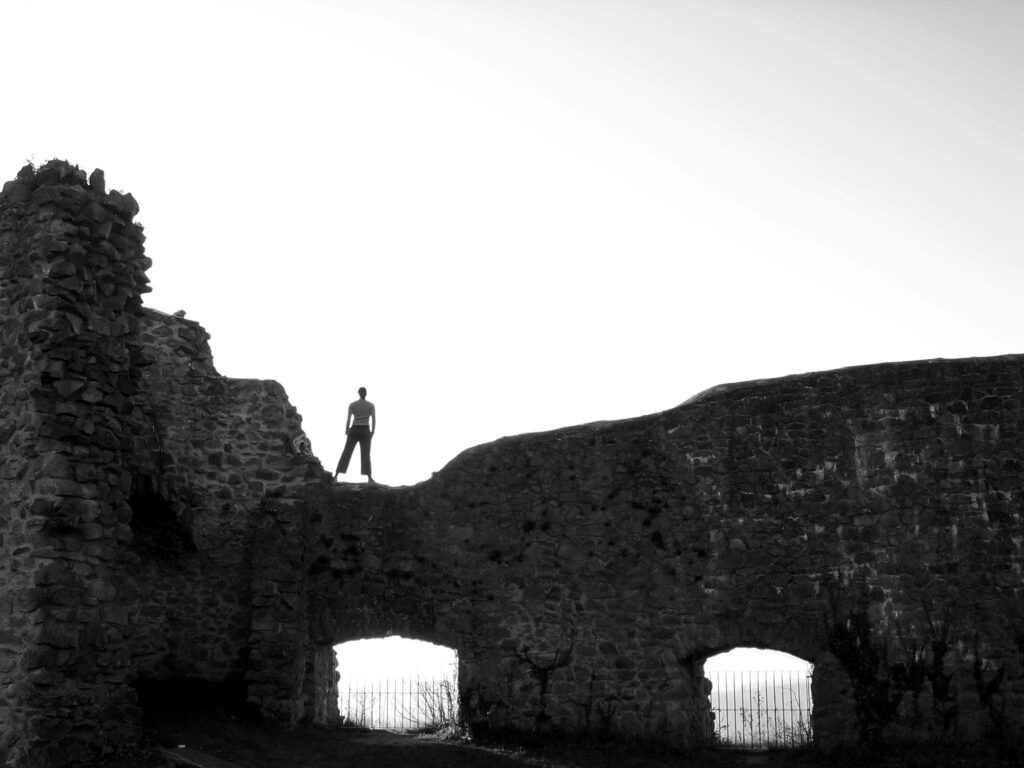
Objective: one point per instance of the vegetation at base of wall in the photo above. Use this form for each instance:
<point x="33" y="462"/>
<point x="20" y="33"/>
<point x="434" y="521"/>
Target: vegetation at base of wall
<point x="989" y="686"/>
<point x="761" y="725"/>
<point x="403" y="705"/>
<point x="596" y="716"/>
<point x="541" y="671"/>
<point x="891" y="679"/>
<point x="878" y="688"/>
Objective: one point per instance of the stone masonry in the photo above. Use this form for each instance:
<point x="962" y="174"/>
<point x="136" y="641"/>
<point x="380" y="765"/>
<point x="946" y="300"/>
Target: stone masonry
<point x="867" y="520"/>
<point x="131" y="472"/>
<point x="160" y="522"/>
<point x="71" y="278"/>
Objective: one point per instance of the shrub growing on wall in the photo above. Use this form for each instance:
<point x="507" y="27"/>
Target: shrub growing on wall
<point x="877" y="696"/>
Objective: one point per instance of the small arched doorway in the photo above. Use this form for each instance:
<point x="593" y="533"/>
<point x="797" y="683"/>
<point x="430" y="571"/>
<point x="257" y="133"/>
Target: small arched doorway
<point x="397" y="684"/>
<point x="761" y="699"/>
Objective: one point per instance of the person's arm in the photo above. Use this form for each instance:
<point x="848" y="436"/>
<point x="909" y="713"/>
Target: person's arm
<point x="348" y="419"/>
<point x="373" y="419"/>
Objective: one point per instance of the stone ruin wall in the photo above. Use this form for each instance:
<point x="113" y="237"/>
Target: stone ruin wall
<point x="158" y="523"/>
<point x="610" y="560"/>
<point x="207" y="451"/>
<point x="71" y="278"/>
<point x="131" y="476"/>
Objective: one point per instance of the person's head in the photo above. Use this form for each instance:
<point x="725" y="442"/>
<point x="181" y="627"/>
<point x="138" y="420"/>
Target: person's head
<point x="362" y="392"/>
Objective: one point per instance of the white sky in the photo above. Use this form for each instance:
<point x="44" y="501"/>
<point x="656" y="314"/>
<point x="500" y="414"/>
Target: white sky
<point x="364" y="661"/>
<point x="751" y="659"/>
<point x="398" y="657"/>
<point x="360" y="661"/>
<point x="516" y="215"/>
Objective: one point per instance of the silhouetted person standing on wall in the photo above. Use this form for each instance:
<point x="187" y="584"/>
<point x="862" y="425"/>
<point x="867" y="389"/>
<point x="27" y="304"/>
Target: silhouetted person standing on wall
<point x="359" y="426"/>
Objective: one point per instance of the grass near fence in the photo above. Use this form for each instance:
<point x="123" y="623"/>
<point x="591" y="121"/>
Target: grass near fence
<point x="762" y="709"/>
<point x="400" y="704"/>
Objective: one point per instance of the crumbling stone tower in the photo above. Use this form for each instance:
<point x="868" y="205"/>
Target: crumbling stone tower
<point x="131" y="478"/>
<point x="71" y="276"/>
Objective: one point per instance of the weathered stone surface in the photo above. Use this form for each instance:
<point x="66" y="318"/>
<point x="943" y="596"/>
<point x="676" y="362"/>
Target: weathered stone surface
<point x="86" y="435"/>
<point x="53" y="495"/>
<point x="156" y="522"/>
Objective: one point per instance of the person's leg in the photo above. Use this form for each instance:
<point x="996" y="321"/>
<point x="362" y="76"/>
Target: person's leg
<point x="346" y="455"/>
<point x="364" y="453"/>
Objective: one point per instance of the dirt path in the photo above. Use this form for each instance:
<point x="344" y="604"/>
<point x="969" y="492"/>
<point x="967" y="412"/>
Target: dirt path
<point x="250" y="746"/>
<point x="253" y="746"/>
<point x="357" y="751"/>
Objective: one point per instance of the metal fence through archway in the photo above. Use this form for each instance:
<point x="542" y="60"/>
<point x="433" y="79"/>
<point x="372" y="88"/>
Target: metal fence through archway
<point x="761" y="709"/>
<point x="397" y="684"/>
<point x="400" y="703"/>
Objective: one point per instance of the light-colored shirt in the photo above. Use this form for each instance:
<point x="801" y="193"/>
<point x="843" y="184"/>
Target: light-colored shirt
<point x="361" y="411"/>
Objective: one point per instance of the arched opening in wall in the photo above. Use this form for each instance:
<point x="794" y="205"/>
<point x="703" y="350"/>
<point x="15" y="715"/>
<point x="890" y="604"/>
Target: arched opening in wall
<point x="398" y="684"/>
<point x="760" y="699"/>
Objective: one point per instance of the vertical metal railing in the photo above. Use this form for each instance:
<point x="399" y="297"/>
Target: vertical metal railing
<point x="761" y="709"/>
<point x="398" y="703"/>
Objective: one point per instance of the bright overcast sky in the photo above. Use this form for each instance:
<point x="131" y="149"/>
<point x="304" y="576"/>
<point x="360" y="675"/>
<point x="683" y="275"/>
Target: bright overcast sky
<point x="505" y="216"/>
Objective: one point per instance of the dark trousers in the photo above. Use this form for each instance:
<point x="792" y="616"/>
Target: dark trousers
<point x="362" y="436"/>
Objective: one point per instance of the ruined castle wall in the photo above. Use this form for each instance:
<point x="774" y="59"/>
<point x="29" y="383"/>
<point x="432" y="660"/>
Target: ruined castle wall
<point x="18" y="374"/>
<point x="72" y="271"/>
<point x="209" y="448"/>
<point x="132" y="474"/>
<point x="584" y="574"/>
<point x="156" y="520"/>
